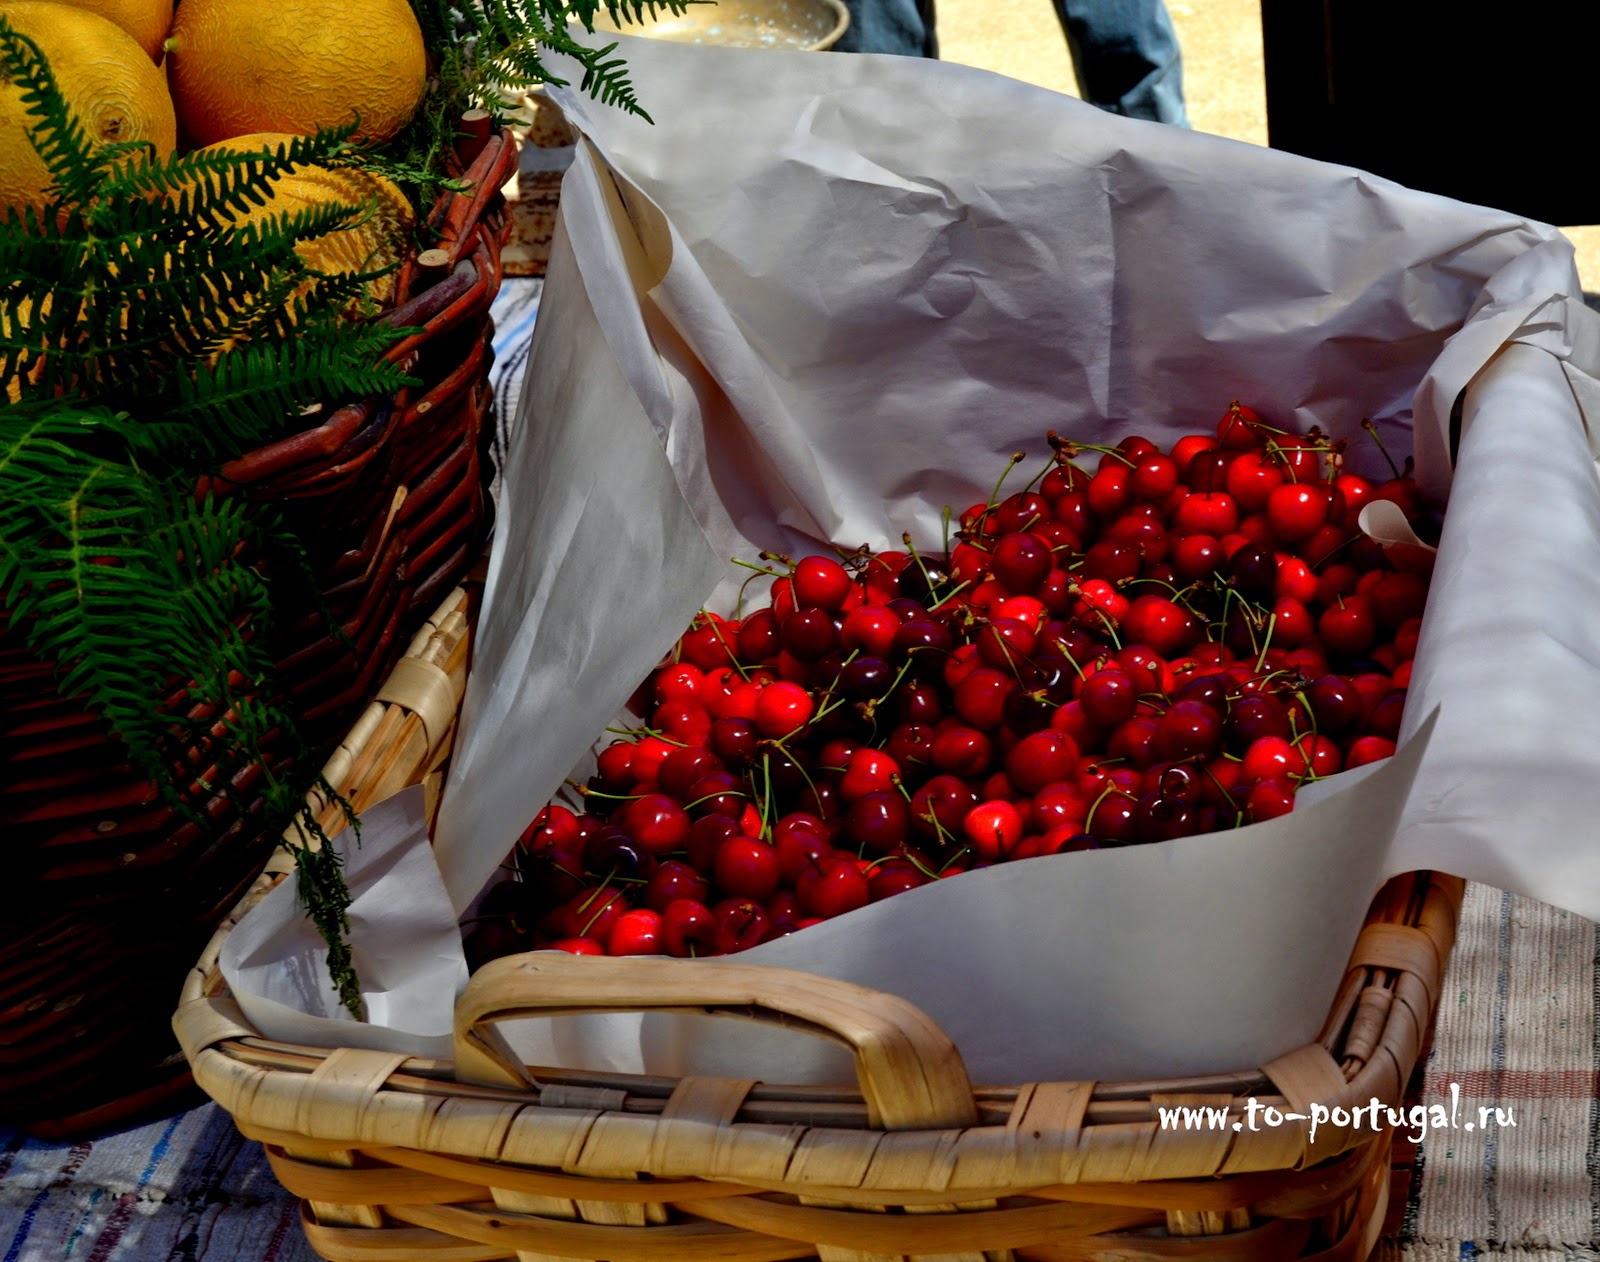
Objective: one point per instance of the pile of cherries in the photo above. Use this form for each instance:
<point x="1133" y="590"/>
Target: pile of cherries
<point x="1163" y="644"/>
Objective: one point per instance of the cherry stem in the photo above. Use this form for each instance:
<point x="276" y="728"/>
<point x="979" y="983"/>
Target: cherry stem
<point x="766" y="795"/>
<point x="1041" y="475"/>
<point x="716" y="628"/>
<point x="689" y="806"/>
<point x="1088" y="817"/>
<point x="1017" y="458"/>
<point x="777" y="743"/>
<point x="944" y="528"/>
<point x="584" y="791"/>
<point x="1111" y="627"/>
<point x="1372" y="429"/>
<point x="1266" y="643"/>
<point x="950" y="595"/>
<point x="905" y="538"/>
<point x="759" y="569"/>
<point x="1236" y="407"/>
<point x="600" y="910"/>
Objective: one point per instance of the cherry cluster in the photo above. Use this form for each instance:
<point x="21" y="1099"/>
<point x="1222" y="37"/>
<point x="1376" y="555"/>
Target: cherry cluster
<point x="1166" y="644"/>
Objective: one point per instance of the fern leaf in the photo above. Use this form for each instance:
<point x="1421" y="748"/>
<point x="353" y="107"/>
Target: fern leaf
<point x="57" y="135"/>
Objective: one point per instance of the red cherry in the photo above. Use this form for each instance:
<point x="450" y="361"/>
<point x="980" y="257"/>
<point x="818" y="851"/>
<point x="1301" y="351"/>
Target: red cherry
<point x="1006" y="643"/>
<point x="994" y="828"/>
<point x="820" y="583"/>
<point x="1039" y="759"/>
<point x="1269" y="799"/>
<point x="1348" y="627"/>
<point x="1301" y="456"/>
<point x="1109" y="697"/>
<point x="1110" y="818"/>
<point x="980" y="698"/>
<point x="1196" y="557"/>
<point x="1166" y="627"/>
<point x="894" y="876"/>
<point x="869" y="630"/>
<point x="717" y="793"/>
<point x="783" y="709"/>
<point x="1321" y="754"/>
<point x="747" y="868"/>
<point x="836" y="887"/>
<point x="1350" y="496"/>
<point x="1021" y="562"/>
<point x="939" y="806"/>
<point x="1368" y="749"/>
<point x="1272" y="757"/>
<point x="656" y="822"/>
<point x="1292" y="624"/>
<point x="798" y="852"/>
<point x="1207" y="513"/>
<point x="682" y="767"/>
<point x="1109" y="490"/>
<point x="1058" y="806"/>
<point x="590" y="914"/>
<point x="1020" y="511"/>
<point x="868" y="771"/>
<point x="809" y="633"/>
<point x="1188" y="447"/>
<point x="878" y="821"/>
<point x="1252" y="477"/>
<point x="577" y="946"/>
<point x="1155" y="477"/>
<point x="1398" y="598"/>
<point x="741" y="923"/>
<point x="688" y="929"/>
<point x="1189" y="729"/>
<point x="678" y="681"/>
<point x="1297" y="510"/>
<point x="636" y="932"/>
<point x="673" y="880"/>
<point x="1240" y="428"/>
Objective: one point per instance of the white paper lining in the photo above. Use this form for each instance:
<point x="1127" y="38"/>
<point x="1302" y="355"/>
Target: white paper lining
<point x="827" y="296"/>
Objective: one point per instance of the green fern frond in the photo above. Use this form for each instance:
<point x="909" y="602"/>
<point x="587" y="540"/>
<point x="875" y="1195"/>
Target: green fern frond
<point x="58" y="136"/>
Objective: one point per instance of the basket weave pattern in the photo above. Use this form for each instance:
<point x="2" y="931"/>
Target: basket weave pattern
<point x="111" y="892"/>
<point x="481" y="1158"/>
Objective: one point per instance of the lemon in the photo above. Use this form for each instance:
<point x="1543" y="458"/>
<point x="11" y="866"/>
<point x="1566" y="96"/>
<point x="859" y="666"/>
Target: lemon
<point x="379" y="239"/>
<point x="244" y="66"/>
<point x="148" y="21"/>
<point x="109" y="83"/>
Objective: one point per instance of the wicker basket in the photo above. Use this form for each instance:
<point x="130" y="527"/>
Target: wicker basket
<point x="480" y="1158"/>
<point x="109" y="886"/>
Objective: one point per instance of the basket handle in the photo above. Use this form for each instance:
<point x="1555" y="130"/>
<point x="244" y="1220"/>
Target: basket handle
<point x="911" y="1076"/>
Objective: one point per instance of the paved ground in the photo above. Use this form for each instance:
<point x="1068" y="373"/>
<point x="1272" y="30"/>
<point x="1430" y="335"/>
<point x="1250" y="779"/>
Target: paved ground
<point x="1222" y="68"/>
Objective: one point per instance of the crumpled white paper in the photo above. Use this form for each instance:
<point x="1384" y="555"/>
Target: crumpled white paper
<point x="827" y="296"/>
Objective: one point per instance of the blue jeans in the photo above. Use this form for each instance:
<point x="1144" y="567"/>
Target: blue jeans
<point x="1125" y="51"/>
<point x="1127" y="57"/>
<point x="890" y="26"/>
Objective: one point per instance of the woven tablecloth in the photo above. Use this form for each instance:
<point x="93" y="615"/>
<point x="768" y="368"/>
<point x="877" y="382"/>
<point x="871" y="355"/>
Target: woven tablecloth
<point x="1519" y="1031"/>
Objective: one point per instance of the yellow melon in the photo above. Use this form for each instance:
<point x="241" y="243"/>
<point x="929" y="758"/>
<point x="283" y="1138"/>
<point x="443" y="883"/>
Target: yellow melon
<point x="379" y="239"/>
<point x="148" y="21"/>
<point x="245" y="66"/>
<point x="109" y="83"/>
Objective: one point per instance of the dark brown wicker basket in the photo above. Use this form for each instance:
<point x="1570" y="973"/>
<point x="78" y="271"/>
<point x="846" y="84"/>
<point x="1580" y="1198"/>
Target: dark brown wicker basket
<point x="110" y="893"/>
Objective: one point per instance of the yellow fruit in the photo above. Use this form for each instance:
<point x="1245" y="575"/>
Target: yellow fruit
<point x="378" y="240"/>
<point x="109" y="83"/>
<point x="148" y="21"/>
<point x="242" y="66"/>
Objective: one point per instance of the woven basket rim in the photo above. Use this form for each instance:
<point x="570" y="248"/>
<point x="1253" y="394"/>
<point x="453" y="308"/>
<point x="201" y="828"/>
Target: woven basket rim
<point x="1371" y="1042"/>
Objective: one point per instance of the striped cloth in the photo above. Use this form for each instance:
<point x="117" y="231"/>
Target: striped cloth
<point x="1519" y="1030"/>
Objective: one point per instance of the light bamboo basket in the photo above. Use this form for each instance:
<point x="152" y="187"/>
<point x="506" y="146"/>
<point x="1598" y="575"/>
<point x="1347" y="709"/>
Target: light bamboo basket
<point x="481" y="1157"/>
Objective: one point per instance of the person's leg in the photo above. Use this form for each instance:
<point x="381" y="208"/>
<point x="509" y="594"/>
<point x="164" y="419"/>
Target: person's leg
<point x="890" y="26"/>
<point x="1127" y="57"/>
